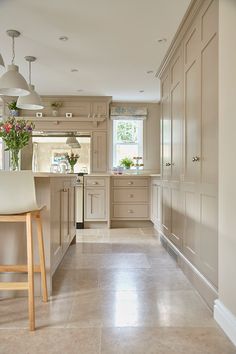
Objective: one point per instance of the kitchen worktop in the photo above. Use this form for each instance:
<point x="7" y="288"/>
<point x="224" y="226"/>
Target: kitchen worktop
<point x="50" y="174"/>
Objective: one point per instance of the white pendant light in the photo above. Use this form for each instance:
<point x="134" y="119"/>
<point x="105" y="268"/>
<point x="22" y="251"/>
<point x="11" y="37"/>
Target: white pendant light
<point x="33" y="100"/>
<point x="2" y="61"/>
<point x="12" y="83"/>
<point x="73" y="142"/>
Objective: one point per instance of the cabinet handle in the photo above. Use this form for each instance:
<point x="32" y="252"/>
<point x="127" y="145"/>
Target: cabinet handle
<point x="130" y="211"/>
<point x="64" y="190"/>
<point x="89" y="115"/>
<point x="131" y="195"/>
<point x="195" y="159"/>
<point x="168" y="164"/>
<point x="95" y="183"/>
<point x="129" y="183"/>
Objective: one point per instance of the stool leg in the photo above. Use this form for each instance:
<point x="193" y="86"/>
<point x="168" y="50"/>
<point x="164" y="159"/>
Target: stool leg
<point x="30" y="262"/>
<point x="42" y="258"/>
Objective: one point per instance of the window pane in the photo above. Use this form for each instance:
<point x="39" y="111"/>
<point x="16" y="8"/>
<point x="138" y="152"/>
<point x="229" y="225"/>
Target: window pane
<point x="127" y="139"/>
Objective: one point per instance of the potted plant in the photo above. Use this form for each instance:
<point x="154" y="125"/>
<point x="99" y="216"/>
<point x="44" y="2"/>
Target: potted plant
<point x="13" y="109"/>
<point x="126" y="162"/>
<point x="55" y="107"/>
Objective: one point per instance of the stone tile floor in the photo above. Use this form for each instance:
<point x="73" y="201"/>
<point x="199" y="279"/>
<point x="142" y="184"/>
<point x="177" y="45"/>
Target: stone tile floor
<point x="116" y="291"/>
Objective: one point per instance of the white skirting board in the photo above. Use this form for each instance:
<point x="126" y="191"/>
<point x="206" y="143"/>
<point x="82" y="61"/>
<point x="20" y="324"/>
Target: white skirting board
<point x="226" y="320"/>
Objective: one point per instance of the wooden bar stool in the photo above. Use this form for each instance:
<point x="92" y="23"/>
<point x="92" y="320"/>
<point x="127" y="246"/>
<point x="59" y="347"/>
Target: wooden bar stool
<point x="18" y="204"/>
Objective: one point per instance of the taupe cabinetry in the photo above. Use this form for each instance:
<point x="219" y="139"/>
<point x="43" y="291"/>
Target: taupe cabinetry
<point x="96" y="199"/>
<point x="155" y="198"/>
<point x="130" y="198"/>
<point x="189" y="85"/>
<point x="99" y="151"/>
<point x="63" y="216"/>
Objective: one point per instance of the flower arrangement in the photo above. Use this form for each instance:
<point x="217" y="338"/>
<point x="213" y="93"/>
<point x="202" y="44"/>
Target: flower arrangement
<point x="72" y="160"/>
<point x="16" y="134"/>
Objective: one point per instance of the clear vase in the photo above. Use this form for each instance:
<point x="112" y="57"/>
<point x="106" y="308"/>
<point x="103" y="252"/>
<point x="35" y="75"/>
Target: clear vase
<point x="15" y="160"/>
<point x="72" y="168"/>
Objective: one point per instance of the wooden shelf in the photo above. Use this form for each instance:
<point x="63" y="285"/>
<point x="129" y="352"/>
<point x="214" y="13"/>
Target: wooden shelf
<point x="64" y="119"/>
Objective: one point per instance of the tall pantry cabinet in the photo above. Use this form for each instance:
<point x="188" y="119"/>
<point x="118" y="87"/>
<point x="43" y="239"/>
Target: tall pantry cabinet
<point x="189" y="106"/>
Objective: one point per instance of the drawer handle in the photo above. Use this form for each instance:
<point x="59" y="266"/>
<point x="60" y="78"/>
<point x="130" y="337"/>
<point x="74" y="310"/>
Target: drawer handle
<point x="130" y="211"/>
<point x="131" y="183"/>
<point x="94" y="183"/>
<point x="64" y="190"/>
<point x="131" y="195"/>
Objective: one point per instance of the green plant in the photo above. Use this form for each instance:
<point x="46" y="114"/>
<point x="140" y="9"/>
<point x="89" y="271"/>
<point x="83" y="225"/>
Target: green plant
<point x="56" y="104"/>
<point x="127" y="162"/>
<point x="12" y="106"/>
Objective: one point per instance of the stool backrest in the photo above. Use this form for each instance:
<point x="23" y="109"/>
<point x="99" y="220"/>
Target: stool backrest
<point x="17" y="192"/>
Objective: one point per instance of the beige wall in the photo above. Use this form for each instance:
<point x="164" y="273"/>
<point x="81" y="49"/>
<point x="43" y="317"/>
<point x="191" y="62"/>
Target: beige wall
<point x="151" y="146"/>
<point x="227" y="153"/>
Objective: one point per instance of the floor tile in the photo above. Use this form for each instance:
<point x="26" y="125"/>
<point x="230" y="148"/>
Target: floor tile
<point x="165" y="341"/>
<point x="53" y="341"/>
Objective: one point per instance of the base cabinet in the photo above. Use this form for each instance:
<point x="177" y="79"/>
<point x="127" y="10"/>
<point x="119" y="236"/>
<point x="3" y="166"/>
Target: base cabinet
<point x="62" y="216"/>
<point x="96" y="198"/>
<point x="130" y="198"/>
<point x="95" y="204"/>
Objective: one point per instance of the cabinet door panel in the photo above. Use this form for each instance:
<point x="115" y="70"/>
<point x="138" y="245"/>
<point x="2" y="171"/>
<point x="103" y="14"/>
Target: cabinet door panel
<point x="166" y="139"/>
<point x="99" y="152"/>
<point x="191" y="225"/>
<point x="176" y="217"/>
<point x="166" y="208"/>
<point x="177" y="126"/>
<point x="95" y="204"/>
<point x="209" y="159"/>
<point x="209" y="238"/>
<point x="192" y="122"/>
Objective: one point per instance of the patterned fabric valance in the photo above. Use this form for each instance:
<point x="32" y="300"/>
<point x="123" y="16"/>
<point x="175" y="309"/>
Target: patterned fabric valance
<point x="121" y="112"/>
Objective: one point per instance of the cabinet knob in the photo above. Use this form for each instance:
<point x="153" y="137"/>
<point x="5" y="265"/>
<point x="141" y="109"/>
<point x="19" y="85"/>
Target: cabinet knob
<point x="94" y="183"/>
<point x="131" y="195"/>
<point x="195" y="159"/>
<point x="130" y="182"/>
<point x="130" y="211"/>
<point x="168" y="164"/>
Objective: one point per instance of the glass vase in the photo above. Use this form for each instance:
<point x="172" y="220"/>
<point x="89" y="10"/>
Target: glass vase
<point x="72" y="168"/>
<point x="15" y="160"/>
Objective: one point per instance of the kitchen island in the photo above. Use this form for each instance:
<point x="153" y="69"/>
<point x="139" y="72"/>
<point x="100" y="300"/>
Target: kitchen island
<point x="57" y="193"/>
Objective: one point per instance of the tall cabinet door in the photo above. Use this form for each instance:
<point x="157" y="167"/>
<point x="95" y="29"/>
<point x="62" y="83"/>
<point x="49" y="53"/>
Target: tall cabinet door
<point x="99" y="152"/>
<point x="166" y="129"/>
<point x="192" y="105"/>
<point x="209" y="143"/>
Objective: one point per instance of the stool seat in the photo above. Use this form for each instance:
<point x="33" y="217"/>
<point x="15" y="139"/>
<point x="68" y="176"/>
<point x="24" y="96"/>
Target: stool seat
<point x="15" y="206"/>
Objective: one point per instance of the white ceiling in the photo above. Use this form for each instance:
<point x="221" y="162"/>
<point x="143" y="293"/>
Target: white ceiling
<point x="111" y="42"/>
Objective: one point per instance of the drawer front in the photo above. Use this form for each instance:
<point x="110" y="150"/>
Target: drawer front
<point x="95" y="182"/>
<point x="130" y="182"/>
<point x="130" y="211"/>
<point x="132" y="195"/>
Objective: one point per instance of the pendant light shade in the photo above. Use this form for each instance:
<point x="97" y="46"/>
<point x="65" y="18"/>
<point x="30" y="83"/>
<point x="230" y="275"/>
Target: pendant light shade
<point x="32" y="101"/>
<point x="12" y="82"/>
<point x="2" y="61"/>
<point x="73" y="142"/>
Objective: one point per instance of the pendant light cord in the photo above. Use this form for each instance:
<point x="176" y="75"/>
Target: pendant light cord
<point x="30" y="72"/>
<point x="13" y="50"/>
